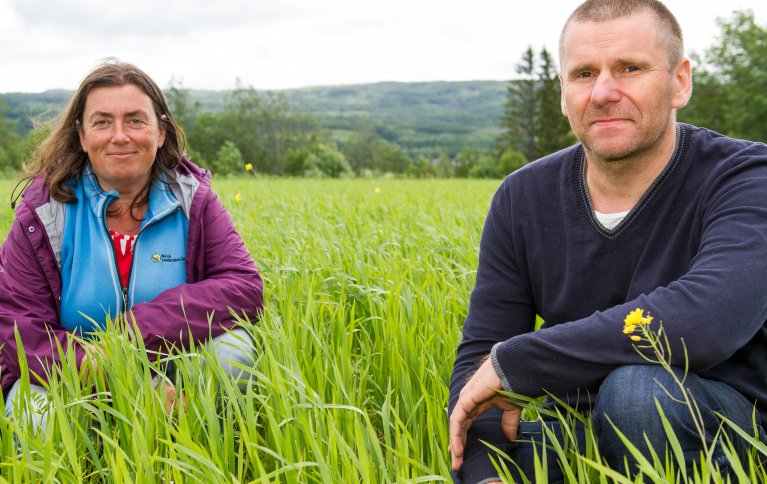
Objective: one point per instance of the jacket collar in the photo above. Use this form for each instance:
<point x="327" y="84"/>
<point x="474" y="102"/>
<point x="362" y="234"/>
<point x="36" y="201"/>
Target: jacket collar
<point x="161" y="199"/>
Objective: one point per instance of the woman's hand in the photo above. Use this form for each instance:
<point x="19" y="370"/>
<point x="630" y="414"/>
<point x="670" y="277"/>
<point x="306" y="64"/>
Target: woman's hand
<point x="90" y="363"/>
<point x="173" y="400"/>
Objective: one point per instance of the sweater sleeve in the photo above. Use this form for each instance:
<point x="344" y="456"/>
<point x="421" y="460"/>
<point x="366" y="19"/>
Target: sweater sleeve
<point x="28" y="304"/>
<point x="224" y="279"/>
<point x="500" y="308"/>
<point x="716" y="308"/>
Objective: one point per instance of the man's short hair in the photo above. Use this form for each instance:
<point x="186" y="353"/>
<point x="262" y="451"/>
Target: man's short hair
<point x="668" y="29"/>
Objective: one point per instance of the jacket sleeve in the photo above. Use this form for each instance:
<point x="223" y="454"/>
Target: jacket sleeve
<point x="500" y="308"/>
<point x="221" y="276"/>
<point x="28" y="302"/>
<point x="709" y="313"/>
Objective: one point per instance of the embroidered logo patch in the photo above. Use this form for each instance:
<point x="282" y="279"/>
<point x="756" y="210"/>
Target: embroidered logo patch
<point x="166" y="258"/>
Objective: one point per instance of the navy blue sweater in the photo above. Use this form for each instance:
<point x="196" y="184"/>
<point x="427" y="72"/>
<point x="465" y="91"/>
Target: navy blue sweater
<point x="692" y="252"/>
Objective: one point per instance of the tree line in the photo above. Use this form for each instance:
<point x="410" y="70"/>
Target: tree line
<point x="269" y="135"/>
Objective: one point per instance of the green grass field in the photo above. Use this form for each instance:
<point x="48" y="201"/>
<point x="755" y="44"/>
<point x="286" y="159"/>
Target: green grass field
<point x="366" y="286"/>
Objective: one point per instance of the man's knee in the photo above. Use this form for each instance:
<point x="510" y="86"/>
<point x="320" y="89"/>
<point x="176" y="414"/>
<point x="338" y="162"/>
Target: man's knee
<point x="634" y="401"/>
<point x="632" y="394"/>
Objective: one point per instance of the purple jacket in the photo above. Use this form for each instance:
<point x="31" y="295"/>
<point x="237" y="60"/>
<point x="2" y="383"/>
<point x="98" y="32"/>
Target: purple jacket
<point x="219" y="270"/>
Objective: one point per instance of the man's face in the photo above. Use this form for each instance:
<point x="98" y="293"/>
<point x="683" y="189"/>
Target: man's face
<point x="618" y="91"/>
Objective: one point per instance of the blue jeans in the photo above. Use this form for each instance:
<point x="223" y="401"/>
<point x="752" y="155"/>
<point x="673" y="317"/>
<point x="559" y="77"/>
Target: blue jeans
<point x="627" y="398"/>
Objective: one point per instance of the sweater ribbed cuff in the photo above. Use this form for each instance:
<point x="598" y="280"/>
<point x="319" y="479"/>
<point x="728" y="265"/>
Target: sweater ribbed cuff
<point x="489" y="479"/>
<point x="515" y="367"/>
<point x="498" y="369"/>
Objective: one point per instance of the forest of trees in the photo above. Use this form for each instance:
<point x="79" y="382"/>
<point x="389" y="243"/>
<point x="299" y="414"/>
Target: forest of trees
<point x="276" y="135"/>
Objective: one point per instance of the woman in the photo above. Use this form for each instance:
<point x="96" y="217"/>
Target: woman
<point x="115" y="222"/>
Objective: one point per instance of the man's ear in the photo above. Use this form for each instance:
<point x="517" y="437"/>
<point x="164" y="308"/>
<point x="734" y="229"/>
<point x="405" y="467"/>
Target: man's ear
<point x="562" y="103"/>
<point x="682" y="84"/>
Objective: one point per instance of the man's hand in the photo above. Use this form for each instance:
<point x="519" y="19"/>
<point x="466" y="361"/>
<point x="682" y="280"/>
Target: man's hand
<point x="477" y="397"/>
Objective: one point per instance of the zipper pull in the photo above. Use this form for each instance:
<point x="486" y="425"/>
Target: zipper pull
<point x="125" y="299"/>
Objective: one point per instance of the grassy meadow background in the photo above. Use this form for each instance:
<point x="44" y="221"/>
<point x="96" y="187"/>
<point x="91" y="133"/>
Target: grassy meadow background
<point x="366" y="286"/>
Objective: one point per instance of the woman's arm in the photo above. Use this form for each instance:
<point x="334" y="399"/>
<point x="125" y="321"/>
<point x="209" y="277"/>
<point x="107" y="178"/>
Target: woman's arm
<point x="223" y="278"/>
<point x="28" y="303"/>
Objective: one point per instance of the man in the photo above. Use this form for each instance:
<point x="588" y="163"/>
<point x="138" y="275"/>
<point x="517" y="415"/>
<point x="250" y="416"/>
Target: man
<point x="644" y="213"/>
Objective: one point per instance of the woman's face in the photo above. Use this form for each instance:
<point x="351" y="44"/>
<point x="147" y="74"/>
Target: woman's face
<point x="121" y="134"/>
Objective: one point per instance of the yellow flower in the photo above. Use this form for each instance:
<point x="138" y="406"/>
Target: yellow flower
<point x="633" y="318"/>
<point x="248" y="166"/>
<point x="647" y="319"/>
<point x="377" y="189"/>
<point x="636" y="317"/>
<point x="237" y="197"/>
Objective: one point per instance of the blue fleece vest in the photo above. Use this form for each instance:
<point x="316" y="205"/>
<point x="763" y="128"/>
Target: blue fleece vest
<point x="91" y="288"/>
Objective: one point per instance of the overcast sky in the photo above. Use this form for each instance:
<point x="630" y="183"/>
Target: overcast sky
<point x="277" y="44"/>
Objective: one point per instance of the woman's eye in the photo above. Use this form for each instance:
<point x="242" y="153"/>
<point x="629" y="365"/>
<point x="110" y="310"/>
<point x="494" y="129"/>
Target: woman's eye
<point x="135" y="122"/>
<point x="100" y="123"/>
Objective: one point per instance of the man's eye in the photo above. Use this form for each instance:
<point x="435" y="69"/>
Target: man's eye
<point x="584" y="75"/>
<point x="632" y="69"/>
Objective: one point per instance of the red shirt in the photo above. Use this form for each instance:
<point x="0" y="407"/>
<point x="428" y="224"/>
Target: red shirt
<point x="123" y="245"/>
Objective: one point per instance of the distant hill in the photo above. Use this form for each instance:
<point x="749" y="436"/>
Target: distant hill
<point x="419" y="116"/>
<point x="425" y="117"/>
<point x="25" y="108"/>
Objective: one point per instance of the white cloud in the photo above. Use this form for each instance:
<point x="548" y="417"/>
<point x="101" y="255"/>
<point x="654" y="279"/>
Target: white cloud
<point x="273" y="44"/>
<point x="147" y="17"/>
